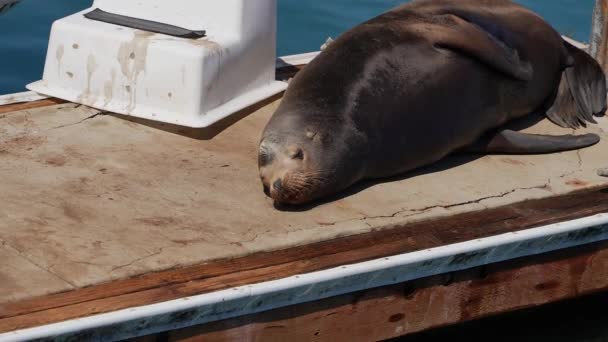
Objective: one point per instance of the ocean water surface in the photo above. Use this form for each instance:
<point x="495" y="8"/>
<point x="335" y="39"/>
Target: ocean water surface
<point x="303" y="27"/>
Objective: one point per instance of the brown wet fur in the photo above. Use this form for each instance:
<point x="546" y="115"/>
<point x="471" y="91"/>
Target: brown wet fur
<point x="406" y="89"/>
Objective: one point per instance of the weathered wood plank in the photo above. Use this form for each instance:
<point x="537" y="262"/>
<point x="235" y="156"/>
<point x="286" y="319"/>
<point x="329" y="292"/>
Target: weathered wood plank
<point x="154" y="288"/>
<point x="30" y="105"/>
<point x="420" y="305"/>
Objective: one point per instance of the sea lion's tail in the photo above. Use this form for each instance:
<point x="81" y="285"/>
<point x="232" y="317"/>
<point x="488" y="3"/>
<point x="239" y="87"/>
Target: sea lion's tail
<point x="582" y="91"/>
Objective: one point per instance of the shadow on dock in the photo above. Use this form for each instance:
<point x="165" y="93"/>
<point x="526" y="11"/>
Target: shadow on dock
<point x="201" y="133"/>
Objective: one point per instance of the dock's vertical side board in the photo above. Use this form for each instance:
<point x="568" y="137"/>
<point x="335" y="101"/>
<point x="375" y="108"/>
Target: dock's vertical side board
<point x="419" y="305"/>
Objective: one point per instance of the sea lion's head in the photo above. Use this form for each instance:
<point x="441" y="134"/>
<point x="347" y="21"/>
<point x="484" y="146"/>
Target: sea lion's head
<point x="300" y="159"/>
<point x="291" y="166"/>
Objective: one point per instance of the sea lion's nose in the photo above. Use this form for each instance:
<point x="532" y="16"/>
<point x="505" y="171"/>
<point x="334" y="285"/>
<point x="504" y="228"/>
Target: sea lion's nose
<point x="277" y="185"/>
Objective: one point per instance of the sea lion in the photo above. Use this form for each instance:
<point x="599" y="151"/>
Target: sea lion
<point x="422" y="81"/>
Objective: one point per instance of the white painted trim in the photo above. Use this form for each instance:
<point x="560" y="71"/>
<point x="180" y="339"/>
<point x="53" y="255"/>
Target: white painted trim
<point x="305" y="58"/>
<point x="576" y="43"/>
<point x="300" y="59"/>
<point x="175" y="314"/>
<point x="27" y="96"/>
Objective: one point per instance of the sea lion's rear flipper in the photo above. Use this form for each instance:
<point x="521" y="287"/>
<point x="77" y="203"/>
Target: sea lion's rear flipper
<point x="582" y="91"/>
<point x="512" y="142"/>
<point x="476" y="42"/>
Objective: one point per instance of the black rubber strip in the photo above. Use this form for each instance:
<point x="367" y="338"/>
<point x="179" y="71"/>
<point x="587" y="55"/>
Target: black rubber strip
<point x="142" y="24"/>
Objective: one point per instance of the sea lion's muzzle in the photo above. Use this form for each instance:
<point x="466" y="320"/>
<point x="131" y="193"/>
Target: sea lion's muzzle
<point x="288" y="187"/>
<point x="293" y="188"/>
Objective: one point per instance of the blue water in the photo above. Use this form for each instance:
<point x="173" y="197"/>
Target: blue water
<point x="303" y="26"/>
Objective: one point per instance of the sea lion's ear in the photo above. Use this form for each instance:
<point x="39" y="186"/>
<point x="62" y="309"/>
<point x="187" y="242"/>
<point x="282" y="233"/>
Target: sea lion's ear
<point x="582" y="91"/>
<point x="472" y="40"/>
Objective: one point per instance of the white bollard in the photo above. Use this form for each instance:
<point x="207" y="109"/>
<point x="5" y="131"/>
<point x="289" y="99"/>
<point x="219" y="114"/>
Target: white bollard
<point x="183" y="81"/>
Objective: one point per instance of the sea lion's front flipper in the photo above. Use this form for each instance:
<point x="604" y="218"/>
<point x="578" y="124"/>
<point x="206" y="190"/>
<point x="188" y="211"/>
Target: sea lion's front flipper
<point x="582" y="91"/>
<point x="512" y="142"/>
<point x="474" y="41"/>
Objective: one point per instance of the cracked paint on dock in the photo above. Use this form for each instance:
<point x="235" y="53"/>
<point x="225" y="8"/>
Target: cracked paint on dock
<point x="90" y="197"/>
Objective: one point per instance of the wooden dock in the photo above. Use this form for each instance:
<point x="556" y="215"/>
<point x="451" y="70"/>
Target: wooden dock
<point x="113" y="227"/>
<point x="103" y="213"/>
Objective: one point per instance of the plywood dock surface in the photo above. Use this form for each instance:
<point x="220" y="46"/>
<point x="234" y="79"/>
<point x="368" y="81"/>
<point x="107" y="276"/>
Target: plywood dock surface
<point x="88" y="199"/>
